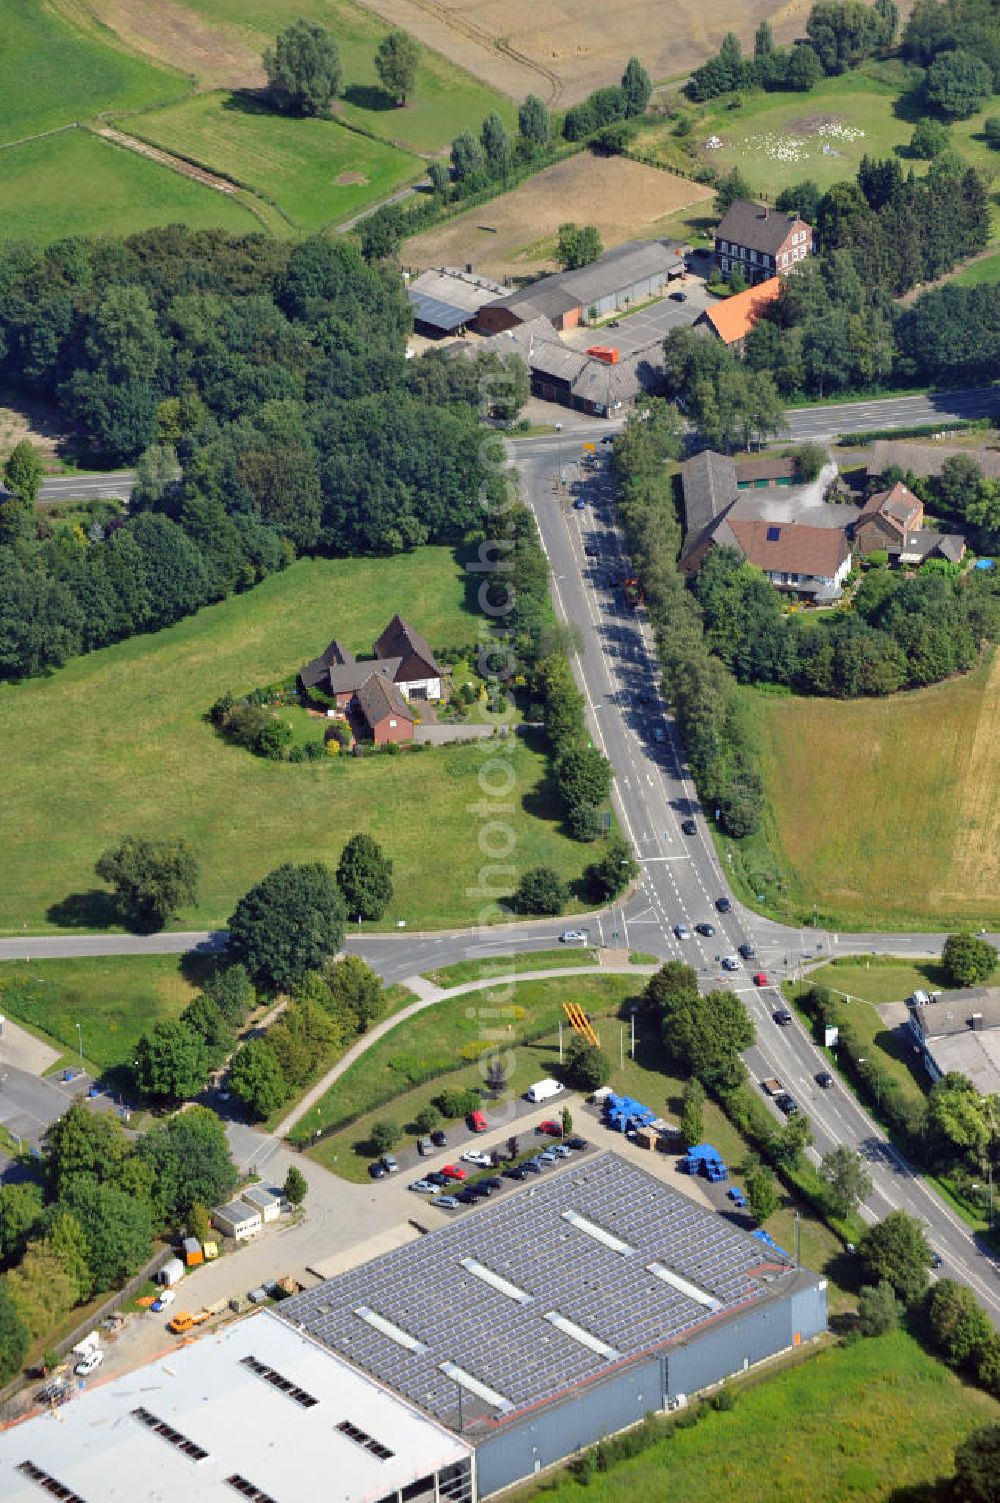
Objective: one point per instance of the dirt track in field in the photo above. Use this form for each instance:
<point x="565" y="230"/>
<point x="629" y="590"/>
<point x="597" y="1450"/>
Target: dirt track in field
<point x="171" y="34"/>
<point x="975" y="860"/>
<point x="624" y="199"/>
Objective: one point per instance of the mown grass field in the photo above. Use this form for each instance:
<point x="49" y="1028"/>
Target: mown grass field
<point x="858" y="1422"/>
<point x="115" y="999"/>
<point x="316" y="171"/>
<point x="987" y="270"/>
<point x="116" y="742"/>
<point x="55" y="73"/>
<point x="75" y="183"/>
<point x="528" y="960"/>
<point x="883" y="813"/>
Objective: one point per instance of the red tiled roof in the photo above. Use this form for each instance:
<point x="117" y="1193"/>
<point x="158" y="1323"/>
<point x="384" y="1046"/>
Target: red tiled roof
<point x="734" y="317"/>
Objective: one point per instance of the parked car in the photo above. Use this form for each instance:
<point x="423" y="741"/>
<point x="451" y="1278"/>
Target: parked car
<point x="730" y="963"/>
<point x="446" y="1202"/>
<point x="824" y="1079"/>
<point x="515" y="1172"/>
<point x="561" y="1151"/>
<point x="548" y="1156"/>
<point x="437" y="1178"/>
<point x="532" y="1166"/>
<point x="550" y="1126"/>
<point x="422" y="1187"/>
<point x="467" y="1197"/>
<point x="476" y="1156"/>
<point x="424" y="1146"/>
<point x="682" y="931"/>
<point x="609" y="438"/>
<point x="389" y="1164"/>
<point x="688" y="827"/>
<point x="477" y="1122"/>
<point x="163" y="1299"/>
<point x="782" y="1015"/>
<point x="724" y="905"/>
<point x="574" y="937"/>
<point x="439" y="1138"/>
<point x="494" y="1182"/>
<point x="90" y="1363"/>
<point x="452" y="1171"/>
<point x="377" y="1170"/>
<point x="736" y="1195"/>
<point x="576" y="1143"/>
<point x="613" y="323"/>
<point x="707" y="929"/>
<point x="678" y="297"/>
<point x="760" y="978"/>
<point x="182" y="1321"/>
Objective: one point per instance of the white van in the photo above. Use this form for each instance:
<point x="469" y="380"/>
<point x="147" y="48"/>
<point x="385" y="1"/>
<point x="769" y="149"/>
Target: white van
<point x="542" y="1090"/>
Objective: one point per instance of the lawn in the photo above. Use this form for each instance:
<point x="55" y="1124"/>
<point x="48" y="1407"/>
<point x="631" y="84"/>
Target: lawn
<point x="226" y="38"/>
<point x="77" y="184"/>
<point x="115" y="999"/>
<point x="487" y="965"/>
<point x="316" y="171"/>
<point x="987" y="270"/>
<point x="402" y="1071"/>
<point x="883" y="813"/>
<point x="55" y="73"/>
<point x="116" y="742"/>
<point x="857" y="1422"/>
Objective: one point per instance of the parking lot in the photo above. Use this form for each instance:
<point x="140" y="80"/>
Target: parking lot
<point x="650" y="324"/>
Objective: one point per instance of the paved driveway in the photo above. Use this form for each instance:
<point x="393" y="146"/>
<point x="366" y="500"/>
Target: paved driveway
<point x="649" y="325"/>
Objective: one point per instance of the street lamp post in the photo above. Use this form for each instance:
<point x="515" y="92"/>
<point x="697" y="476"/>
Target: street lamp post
<point x="79" y="1036"/>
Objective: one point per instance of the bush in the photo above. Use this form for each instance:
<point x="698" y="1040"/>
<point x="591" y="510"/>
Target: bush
<point x="453" y="1102"/>
<point x="384" y="1133"/>
<point x="540" y="890"/>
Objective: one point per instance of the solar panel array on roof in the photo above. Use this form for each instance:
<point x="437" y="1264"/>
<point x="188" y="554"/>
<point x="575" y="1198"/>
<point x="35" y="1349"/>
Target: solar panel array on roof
<point x="540" y="1240"/>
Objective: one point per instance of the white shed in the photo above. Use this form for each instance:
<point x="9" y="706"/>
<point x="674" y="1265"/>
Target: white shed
<point x="171" y="1273"/>
<point x="237" y="1220"/>
<point x="263" y="1200"/>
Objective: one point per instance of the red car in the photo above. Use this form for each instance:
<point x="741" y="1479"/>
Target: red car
<point x="553" y="1128"/>
<point x="477" y="1122"/>
<point x="760" y="979"/>
<point x="453" y="1171"/>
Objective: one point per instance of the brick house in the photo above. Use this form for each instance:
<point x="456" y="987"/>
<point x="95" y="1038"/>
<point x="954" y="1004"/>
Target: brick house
<point x="402" y="658"/>
<point x="760" y="242"/>
<point x="810" y="561"/>
<point x="382" y="710"/>
<point x="893" y="522"/>
<point x="732" y="318"/>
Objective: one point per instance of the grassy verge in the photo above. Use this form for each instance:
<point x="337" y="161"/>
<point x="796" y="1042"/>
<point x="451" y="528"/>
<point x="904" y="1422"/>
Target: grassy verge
<point x="143" y="760"/>
<point x="40" y="185"/>
<point x="316" y="171"/>
<point x="114" y="998"/>
<point x="503" y="965"/>
<point x="864" y="1421"/>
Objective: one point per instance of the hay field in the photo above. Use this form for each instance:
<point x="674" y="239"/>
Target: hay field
<point x="625" y="200"/>
<point x="887" y="812"/>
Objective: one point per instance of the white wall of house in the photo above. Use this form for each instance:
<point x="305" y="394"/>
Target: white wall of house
<point x="421" y="688"/>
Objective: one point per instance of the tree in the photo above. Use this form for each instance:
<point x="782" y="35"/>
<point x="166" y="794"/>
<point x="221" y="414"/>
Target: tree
<point x="991" y="130"/>
<point x="959" y="1122"/>
<point x="384" y="1134"/>
<point x="364" y="876"/>
<point x="207" y="1019"/>
<point x="586" y="1065"/>
<point x="171" y="1062"/>
<point x="356" y="993"/>
<point x="958" y="84"/>
<point x="453" y="1102"/>
<point x="42" y="1290"/>
<point x="968" y="959"/>
<point x="577" y="246"/>
<point x="977" y="1466"/>
<point x="849" y="1181"/>
<point x="809" y="461"/>
<point x="23" y="472"/>
<point x="878" y="1309"/>
<point x="895" y="1249"/>
<point x="959" y="1327"/>
<point x="257" y="1078"/>
<point x="675" y="982"/>
<point x="296" y="1185"/>
<point x="21" y="1209"/>
<point x="762" y="1193"/>
<point x="190" y="1162"/>
<point x="152" y="879"/>
<point x="930" y="138"/>
<point x="803" y="70"/>
<point x="466" y="157"/>
<point x="303" y="69"/>
<point x="14" y="1337"/>
<point x="540" y="890"/>
<point x="231" y="989"/>
<point x="427" y="1119"/>
<point x="636" y="87"/>
<point x="289" y="923"/>
<point x="707" y="1035"/>
<point x="117" y="1227"/>
<point x="566" y="1121"/>
<point x="792" y="1141"/>
<point x="533" y="122"/>
<point x="496" y="146"/>
<point x="584" y="777"/>
<point x="396" y="63"/>
<point x="729" y="188"/>
<point x="82" y="1142"/>
<point x="612" y="872"/>
<point x="199" y="1222"/>
<point x="692" y="1113"/>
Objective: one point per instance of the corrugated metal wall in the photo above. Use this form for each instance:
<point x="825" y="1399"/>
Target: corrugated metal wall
<point x="716" y="1353"/>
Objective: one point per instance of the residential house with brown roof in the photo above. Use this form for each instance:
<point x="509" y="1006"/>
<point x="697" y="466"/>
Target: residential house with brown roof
<point x="760" y="242"/>
<point x="383" y="711"/>
<point x="732" y="318"/>
<point x="402" y="657"/>
<point x="805" y="560"/>
<point x="892" y="521"/>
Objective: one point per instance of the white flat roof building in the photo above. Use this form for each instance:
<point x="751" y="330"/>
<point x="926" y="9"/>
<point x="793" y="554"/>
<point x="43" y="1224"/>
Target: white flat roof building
<point x="256" y="1410"/>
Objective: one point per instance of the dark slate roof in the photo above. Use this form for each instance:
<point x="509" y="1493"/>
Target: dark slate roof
<point x="348" y="677"/>
<point x="315" y="672"/>
<point x="773" y="468"/>
<point x="447" y="299"/>
<point x="925" y="543"/>
<point x="401" y="640"/>
<point x="709" y="482"/>
<point x="757" y="226"/>
<point x="617" y="269"/>
<point x="378" y="697"/>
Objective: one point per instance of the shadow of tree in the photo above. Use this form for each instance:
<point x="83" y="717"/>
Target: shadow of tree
<point x="369" y="97"/>
<point x="250" y="102"/>
<point x="96" y="909"/>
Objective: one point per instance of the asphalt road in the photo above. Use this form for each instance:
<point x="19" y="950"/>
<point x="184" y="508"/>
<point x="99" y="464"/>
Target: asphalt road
<point x="681" y="878"/>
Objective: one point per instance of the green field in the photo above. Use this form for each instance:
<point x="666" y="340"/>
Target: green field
<point x="862" y="1422"/>
<point x="987" y="270"/>
<point x="117" y="742"/>
<point x="296" y="163"/>
<point x="528" y="960"/>
<point x="55" y="73"/>
<point x="77" y="184"/>
<point x="115" y="999"/>
<point x="883" y="813"/>
<point x="445" y="100"/>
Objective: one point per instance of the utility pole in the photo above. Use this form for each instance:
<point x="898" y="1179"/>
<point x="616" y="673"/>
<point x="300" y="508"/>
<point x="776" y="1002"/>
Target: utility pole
<point x="560" y="1042"/>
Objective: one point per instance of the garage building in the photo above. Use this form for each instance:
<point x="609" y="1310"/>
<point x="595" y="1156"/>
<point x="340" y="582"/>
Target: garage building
<point x="552" y="1316"/>
<point x="629" y="274"/>
<point x="448" y="300"/>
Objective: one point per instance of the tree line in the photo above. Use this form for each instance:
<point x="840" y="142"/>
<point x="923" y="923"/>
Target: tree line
<point x="262" y="389"/>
